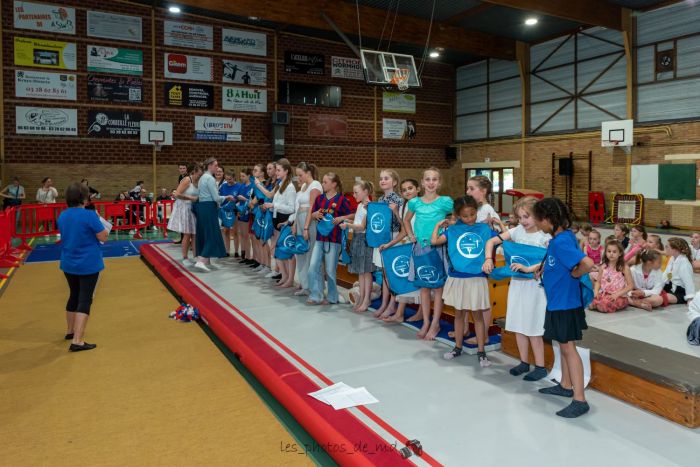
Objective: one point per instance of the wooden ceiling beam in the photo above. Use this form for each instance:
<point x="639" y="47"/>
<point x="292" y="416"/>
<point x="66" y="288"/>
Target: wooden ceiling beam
<point x="409" y="29"/>
<point x="589" y="12"/>
<point x="468" y="13"/>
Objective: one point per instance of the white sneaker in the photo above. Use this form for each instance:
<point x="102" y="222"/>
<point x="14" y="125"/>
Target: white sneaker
<point x="213" y="266"/>
<point x="187" y="262"/>
<point x="270" y="274"/>
<point x="201" y="267"/>
<point x="259" y="268"/>
<point x="264" y="271"/>
<point x="302" y="292"/>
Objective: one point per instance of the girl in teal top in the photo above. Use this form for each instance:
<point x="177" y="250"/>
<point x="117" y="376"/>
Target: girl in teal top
<point x="429" y="210"/>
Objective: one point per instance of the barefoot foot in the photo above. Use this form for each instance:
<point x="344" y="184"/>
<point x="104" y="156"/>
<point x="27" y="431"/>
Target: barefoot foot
<point x="422" y="333"/>
<point x="414" y="318"/>
<point x="432" y="333"/>
<point x="396" y="318"/>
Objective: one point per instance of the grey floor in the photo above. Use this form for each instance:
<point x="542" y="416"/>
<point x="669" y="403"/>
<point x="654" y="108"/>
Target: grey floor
<point x="460" y="412"/>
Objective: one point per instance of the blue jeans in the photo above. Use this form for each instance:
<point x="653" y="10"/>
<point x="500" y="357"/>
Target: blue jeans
<point x="328" y="252"/>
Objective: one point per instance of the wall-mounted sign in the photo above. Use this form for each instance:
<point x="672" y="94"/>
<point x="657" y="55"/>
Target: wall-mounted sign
<point x="323" y="126"/>
<point x="244" y="42"/>
<point x="348" y="68"/>
<point x="187" y="67"/>
<point x="46" y="121"/>
<point x="217" y="129"/>
<point x="103" y="88"/>
<point x="307" y="64"/>
<point x="114" y="124"/>
<point x="247" y="73"/>
<point x="111" y="26"/>
<point x="114" y="60"/>
<point x="393" y="128"/>
<point x="43" y="17"/>
<point x="195" y="36"/>
<point x="398" y="102"/>
<point x="244" y="99"/>
<point x="44" y="54"/>
<point x="43" y="85"/>
<point x="189" y="95"/>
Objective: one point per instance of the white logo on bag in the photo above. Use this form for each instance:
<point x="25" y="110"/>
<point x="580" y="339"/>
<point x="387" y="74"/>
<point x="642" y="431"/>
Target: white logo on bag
<point x="427" y="274"/>
<point x="290" y="242"/>
<point x="376" y="222"/>
<point x="261" y="222"/>
<point x="519" y="260"/>
<point x="400" y="265"/>
<point x="470" y="245"/>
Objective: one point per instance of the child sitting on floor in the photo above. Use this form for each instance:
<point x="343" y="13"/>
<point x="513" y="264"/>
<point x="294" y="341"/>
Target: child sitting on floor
<point x="648" y="281"/>
<point x="678" y="274"/>
<point x="614" y="281"/>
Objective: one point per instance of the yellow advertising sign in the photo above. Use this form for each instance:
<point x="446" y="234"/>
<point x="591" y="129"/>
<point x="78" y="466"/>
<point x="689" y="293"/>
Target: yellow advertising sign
<point x="44" y="54"/>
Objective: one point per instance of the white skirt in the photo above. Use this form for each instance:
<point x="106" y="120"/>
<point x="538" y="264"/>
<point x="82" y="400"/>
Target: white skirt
<point x="527" y="304"/>
<point x="377" y="255"/>
<point x="467" y="293"/>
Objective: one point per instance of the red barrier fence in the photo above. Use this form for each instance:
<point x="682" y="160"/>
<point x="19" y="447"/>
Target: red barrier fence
<point x="8" y="254"/>
<point x="161" y="214"/>
<point x="36" y="220"/>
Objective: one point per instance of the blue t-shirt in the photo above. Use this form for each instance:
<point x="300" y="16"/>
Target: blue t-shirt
<point x="563" y="291"/>
<point x="466" y="248"/>
<point x="80" y="249"/>
<point x="225" y="189"/>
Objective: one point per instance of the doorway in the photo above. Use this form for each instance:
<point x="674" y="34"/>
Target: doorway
<point x="502" y="180"/>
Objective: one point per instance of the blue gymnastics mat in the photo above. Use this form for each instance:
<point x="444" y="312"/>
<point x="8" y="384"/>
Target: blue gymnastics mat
<point x="112" y="249"/>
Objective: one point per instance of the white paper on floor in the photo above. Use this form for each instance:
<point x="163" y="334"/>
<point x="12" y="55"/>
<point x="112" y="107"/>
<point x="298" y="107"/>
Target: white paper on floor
<point x="585" y="355"/>
<point x="342" y="396"/>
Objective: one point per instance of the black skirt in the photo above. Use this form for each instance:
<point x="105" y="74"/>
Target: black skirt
<point x="565" y="325"/>
<point x="278" y="219"/>
<point x="679" y="293"/>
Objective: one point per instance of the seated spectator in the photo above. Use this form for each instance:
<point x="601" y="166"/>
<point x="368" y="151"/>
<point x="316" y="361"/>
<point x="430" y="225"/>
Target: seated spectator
<point x="13" y="194"/>
<point x="695" y="251"/>
<point x="46" y="194"/>
<point x="94" y="194"/>
<point x="134" y="193"/>
<point x="648" y="282"/>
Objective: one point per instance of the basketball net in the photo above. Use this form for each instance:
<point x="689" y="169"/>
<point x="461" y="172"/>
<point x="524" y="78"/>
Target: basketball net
<point x="616" y="144"/>
<point x="400" y="78"/>
<point x="157" y="146"/>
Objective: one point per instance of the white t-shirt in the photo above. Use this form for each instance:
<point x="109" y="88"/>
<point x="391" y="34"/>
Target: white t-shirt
<point x="520" y="235"/>
<point x="284" y="201"/>
<point x="695" y="253"/>
<point x="360" y="215"/>
<point x="653" y="284"/>
<point x="46" y="196"/>
<point x="304" y="195"/>
<point x="485" y="211"/>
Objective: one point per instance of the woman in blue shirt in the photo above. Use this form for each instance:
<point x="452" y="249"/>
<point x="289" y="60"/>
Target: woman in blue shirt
<point x="81" y="260"/>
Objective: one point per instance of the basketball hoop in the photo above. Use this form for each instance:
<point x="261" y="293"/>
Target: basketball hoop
<point x="400" y="78"/>
<point x="157" y="145"/>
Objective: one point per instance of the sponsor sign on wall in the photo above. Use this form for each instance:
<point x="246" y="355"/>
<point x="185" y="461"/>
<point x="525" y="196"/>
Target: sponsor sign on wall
<point x="247" y="73"/>
<point x="322" y="125"/>
<point x="114" y="60"/>
<point x="195" y="36"/>
<point x="398" y="102"/>
<point x="244" y="42"/>
<point x="44" y="54"/>
<point x="111" y="26"/>
<point x="307" y="64"/>
<point x="114" y="124"/>
<point x="43" y="85"/>
<point x="103" y="88"/>
<point x="43" y="17"/>
<point x="244" y="99"/>
<point x="187" y="67"/>
<point x="348" y="68"/>
<point x="46" y="121"/>
<point x="393" y="128"/>
<point x="217" y="129"/>
<point x="189" y="95"/>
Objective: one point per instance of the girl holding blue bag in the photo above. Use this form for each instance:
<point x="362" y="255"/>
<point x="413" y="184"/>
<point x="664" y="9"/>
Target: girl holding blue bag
<point x="526" y="299"/>
<point x="429" y="210"/>
<point x="360" y="253"/>
<point x="261" y="249"/>
<point x="226" y="212"/>
<point x="329" y="209"/>
<point x="243" y="198"/>
<point x="467" y="288"/>
<point x="304" y="224"/>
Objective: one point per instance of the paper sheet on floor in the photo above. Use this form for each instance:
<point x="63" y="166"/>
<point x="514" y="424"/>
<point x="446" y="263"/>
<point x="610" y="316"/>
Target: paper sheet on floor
<point x="585" y="355"/>
<point x="342" y="396"/>
<point x="330" y="390"/>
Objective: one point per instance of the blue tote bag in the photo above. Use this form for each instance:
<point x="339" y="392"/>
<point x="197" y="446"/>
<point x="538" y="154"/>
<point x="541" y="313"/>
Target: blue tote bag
<point x="466" y="245"/>
<point x="379" y="217"/>
<point x="257" y="223"/>
<point x="285" y="244"/>
<point x="344" y="255"/>
<point x="301" y="246"/>
<point x="267" y="228"/>
<point x="325" y="225"/>
<point x="527" y="255"/>
<point x="227" y="214"/>
<point x="429" y="270"/>
<point x="397" y="266"/>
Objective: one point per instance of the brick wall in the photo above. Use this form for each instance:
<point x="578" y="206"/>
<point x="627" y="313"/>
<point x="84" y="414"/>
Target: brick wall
<point x="113" y="165"/>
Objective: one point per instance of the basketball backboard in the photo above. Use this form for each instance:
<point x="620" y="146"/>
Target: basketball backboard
<point x="617" y="133"/>
<point x="157" y="133"/>
<point x="380" y="67"/>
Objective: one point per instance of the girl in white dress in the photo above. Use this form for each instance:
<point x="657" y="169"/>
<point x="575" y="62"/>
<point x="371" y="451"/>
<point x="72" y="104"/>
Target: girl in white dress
<point x="307" y="194"/>
<point x="527" y="302"/>
<point x="182" y="217"/>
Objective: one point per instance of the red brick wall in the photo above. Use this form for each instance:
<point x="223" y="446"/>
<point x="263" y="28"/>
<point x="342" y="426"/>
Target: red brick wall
<point x="111" y="164"/>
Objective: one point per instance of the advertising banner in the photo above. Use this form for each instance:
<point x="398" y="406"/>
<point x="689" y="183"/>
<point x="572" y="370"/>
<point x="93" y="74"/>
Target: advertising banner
<point x="393" y="128"/>
<point x="114" y="124"/>
<point x="322" y="125"/>
<point x="43" y="17"/>
<point x="181" y="66"/>
<point x="244" y="42"/>
<point x="303" y="63"/>
<point x="247" y="73"/>
<point x="348" y="68"/>
<point x="195" y="36"/>
<point x="398" y="102"/>
<point x="189" y="95"/>
<point x="114" y="60"/>
<point x="244" y="99"/>
<point x="46" y="121"/>
<point x="44" y="54"/>
<point x="103" y="88"/>
<point x="111" y="26"/>
<point x="217" y="129"/>
<point x="43" y="85"/>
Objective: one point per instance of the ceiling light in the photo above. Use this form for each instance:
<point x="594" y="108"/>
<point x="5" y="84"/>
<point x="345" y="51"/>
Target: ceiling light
<point x="254" y="18"/>
<point x="434" y="54"/>
<point x="174" y="9"/>
<point x="531" y="21"/>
